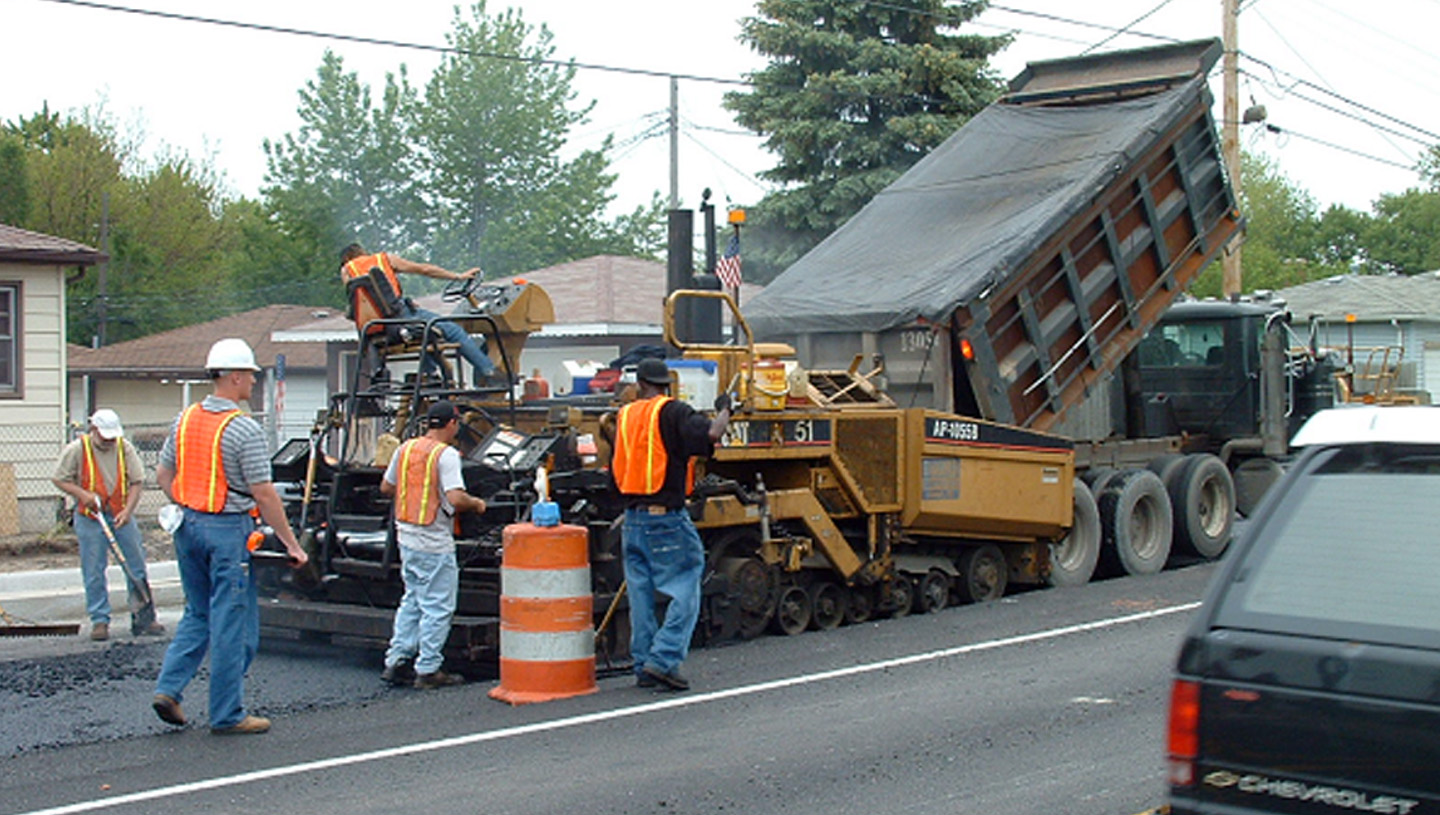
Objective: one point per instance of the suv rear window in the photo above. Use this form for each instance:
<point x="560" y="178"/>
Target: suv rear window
<point x="1352" y="551"/>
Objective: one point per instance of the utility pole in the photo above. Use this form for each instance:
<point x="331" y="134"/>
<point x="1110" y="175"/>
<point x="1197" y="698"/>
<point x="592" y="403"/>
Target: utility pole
<point x="102" y="295"/>
<point x="674" y="143"/>
<point x="1230" y="134"/>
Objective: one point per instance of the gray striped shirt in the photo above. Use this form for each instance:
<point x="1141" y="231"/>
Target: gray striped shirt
<point x="243" y="453"/>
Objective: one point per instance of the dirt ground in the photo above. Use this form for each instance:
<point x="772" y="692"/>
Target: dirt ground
<point x="57" y="549"/>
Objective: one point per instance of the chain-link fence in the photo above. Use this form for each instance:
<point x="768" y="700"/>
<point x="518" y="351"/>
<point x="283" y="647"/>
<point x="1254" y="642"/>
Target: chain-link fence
<point x="30" y="503"/>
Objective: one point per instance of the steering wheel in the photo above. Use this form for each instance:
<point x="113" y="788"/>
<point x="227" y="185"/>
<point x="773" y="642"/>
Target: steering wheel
<point x="460" y="289"/>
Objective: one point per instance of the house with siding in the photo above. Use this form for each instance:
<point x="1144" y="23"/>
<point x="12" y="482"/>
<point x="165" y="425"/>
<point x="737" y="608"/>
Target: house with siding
<point x="1400" y="313"/>
<point x="33" y="270"/>
<point x="150" y="379"/>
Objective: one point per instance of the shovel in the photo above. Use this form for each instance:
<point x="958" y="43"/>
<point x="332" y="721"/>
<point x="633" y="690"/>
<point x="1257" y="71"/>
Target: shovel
<point x="145" y="611"/>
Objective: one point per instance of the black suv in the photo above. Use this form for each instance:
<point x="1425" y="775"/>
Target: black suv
<point x="1309" y="681"/>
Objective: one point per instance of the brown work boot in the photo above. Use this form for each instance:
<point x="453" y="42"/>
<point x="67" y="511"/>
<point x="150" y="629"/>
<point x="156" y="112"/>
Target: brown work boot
<point x="168" y="710"/>
<point x="152" y="630"/>
<point x="439" y="679"/>
<point x="247" y="725"/>
<point x="100" y="632"/>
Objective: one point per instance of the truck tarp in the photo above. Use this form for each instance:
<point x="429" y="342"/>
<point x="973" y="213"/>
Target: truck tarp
<point x="966" y="216"/>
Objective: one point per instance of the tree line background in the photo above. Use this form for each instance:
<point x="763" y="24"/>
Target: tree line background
<point x="467" y="168"/>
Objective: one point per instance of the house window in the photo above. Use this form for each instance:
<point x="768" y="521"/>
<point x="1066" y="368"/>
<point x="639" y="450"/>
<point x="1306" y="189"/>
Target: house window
<point x="9" y="339"/>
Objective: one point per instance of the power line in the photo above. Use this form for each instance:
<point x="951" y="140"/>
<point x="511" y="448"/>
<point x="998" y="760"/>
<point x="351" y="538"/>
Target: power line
<point x="414" y="46"/>
<point x="1127" y="26"/>
<point x="1347" y="100"/>
<point x="1276" y="129"/>
<point x="1378" y="128"/>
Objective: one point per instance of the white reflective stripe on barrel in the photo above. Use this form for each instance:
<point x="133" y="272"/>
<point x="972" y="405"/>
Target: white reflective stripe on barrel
<point x="545" y="584"/>
<point x="560" y="646"/>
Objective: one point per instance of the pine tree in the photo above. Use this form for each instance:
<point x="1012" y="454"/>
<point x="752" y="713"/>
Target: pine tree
<point x="855" y="93"/>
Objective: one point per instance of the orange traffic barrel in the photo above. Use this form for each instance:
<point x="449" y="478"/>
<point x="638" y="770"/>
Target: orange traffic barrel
<point x="547" y="624"/>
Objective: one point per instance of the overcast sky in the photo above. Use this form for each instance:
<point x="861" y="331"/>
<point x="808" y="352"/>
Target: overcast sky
<point x="221" y="91"/>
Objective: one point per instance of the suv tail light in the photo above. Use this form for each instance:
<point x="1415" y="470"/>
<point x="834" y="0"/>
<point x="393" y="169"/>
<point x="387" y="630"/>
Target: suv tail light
<point x="1184" y="738"/>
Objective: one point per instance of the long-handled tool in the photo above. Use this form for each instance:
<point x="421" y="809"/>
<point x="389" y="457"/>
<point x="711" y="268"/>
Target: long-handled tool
<point x="145" y="612"/>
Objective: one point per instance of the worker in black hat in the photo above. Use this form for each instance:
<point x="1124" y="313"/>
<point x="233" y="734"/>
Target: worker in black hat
<point x="424" y="479"/>
<point x="656" y="441"/>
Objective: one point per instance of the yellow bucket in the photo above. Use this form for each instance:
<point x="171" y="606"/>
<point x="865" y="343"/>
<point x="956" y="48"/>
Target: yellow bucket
<point x="771" y="388"/>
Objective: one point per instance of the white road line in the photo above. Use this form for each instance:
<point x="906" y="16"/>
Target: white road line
<point x="687" y="700"/>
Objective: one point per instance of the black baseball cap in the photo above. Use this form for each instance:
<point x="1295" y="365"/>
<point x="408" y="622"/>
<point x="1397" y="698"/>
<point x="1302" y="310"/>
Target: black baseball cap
<point x="440" y="414"/>
<point x="654" y="371"/>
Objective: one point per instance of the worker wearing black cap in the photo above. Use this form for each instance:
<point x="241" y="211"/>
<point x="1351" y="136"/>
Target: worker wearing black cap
<point x="425" y="480"/>
<point x="656" y="439"/>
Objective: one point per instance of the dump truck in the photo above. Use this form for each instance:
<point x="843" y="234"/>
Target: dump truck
<point x="1027" y="272"/>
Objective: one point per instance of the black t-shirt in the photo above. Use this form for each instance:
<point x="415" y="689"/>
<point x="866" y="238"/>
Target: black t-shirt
<point x="685" y="433"/>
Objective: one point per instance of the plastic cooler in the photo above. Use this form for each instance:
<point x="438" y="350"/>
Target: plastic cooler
<point x="698" y="381"/>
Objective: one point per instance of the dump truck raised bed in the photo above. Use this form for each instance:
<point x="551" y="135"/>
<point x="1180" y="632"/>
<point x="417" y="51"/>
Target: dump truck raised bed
<point x="1013" y="272"/>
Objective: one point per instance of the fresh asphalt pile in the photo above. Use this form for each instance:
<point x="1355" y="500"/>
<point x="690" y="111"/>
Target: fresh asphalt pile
<point x="59" y="692"/>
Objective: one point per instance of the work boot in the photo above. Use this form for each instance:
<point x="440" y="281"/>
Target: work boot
<point x="439" y="679"/>
<point x="246" y="726"/>
<point x="401" y="673"/>
<point x="168" y="710"/>
<point x="671" y="680"/>
<point x="99" y="632"/>
<point x="152" y="629"/>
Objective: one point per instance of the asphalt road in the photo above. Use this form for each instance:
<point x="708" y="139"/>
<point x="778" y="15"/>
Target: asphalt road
<point x="1049" y="701"/>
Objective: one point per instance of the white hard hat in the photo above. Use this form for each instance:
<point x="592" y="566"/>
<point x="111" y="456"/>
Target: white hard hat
<point x="107" y="423"/>
<point x="231" y="354"/>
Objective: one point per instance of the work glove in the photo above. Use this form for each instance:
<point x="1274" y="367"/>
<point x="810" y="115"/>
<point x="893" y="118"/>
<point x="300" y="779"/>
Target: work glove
<point x="724" y="401"/>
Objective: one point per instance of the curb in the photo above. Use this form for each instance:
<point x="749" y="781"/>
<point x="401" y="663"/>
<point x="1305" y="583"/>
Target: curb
<point x="58" y="595"/>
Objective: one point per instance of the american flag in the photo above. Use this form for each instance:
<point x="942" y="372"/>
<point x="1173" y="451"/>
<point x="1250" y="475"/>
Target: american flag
<point x="728" y="267"/>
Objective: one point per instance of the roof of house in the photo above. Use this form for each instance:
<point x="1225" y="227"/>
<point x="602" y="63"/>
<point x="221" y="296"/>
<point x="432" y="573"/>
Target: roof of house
<point x="1368" y="297"/>
<point x="23" y="246"/>
<point x="603" y="290"/>
<point x="182" y="350"/>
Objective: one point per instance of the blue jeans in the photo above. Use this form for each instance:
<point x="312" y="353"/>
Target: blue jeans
<point x="663" y="554"/>
<point x="422" y="622"/>
<point x="452" y="332"/>
<point x="95" y="556"/>
<point x="221" y="612"/>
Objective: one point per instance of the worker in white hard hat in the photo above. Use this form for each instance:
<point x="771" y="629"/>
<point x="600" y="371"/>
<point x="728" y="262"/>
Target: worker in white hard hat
<point x="215" y="465"/>
<point x="103" y="472"/>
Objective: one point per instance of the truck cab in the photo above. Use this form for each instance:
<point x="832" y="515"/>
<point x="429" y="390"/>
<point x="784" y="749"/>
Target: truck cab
<point x="1230" y="376"/>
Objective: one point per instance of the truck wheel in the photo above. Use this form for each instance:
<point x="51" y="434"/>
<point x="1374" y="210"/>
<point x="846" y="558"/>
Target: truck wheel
<point x="792" y="614"/>
<point x="983" y="574"/>
<point x="1168" y="467"/>
<point x="1097" y="477"/>
<point x="1253" y="478"/>
<point x="934" y="593"/>
<point x="902" y="596"/>
<point x="1203" y="498"/>
<point x="1137" y="523"/>
<point x="859" y="604"/>
<point x="827" y="605"/>
<point x="754" y="588"/>
<point x="1073" y="558"/>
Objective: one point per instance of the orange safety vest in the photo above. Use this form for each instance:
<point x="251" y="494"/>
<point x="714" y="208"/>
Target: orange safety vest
<point x="364" y="307"/>
<point x="199" y="473"/>
<point x="640" y="458"/>
<point x="417" y="487"/>
<point x="93" y="480"/>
